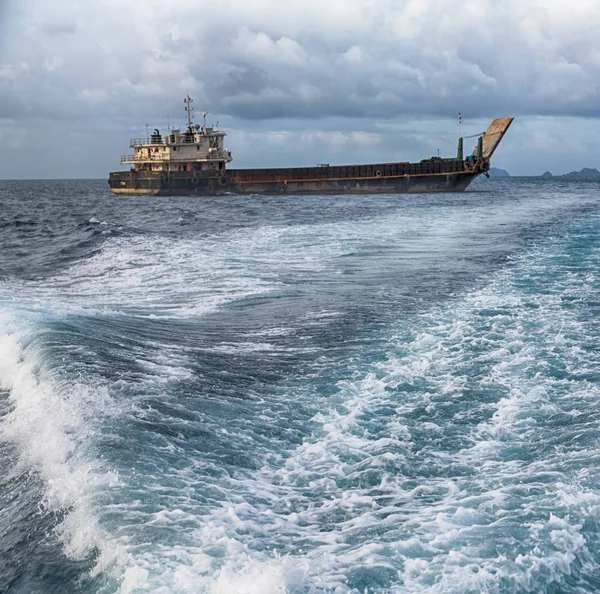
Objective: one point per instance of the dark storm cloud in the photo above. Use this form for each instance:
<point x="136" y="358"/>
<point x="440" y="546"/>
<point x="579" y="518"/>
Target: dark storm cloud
<point x="258" y="75"/>
<point x="423" y="86"/>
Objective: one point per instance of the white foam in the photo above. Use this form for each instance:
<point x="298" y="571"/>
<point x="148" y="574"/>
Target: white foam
<point x="345" y="493"/>
<point x="48" y="425"/>
<point x="438" y="533"/>
<point x="162" y="277"/>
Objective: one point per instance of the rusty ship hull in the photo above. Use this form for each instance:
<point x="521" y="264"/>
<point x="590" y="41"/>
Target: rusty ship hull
<point x="390" y="178"/>
<point x="194" y="163"/>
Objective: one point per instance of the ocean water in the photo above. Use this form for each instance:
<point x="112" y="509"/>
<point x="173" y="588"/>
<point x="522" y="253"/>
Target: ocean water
<point x="259" y="395"/>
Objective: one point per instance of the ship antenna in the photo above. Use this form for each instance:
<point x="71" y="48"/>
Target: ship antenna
<point x="459" y="123"/>
<point x="204" y="114"/>
<point x="190" y="111"/>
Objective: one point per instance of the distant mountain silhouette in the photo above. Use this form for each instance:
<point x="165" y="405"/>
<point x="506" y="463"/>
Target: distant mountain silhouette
<point x="586" y="173"/>
<point x="497" y="172"/>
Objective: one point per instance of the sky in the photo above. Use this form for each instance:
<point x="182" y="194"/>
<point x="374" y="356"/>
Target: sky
<point x="298" y="82"/>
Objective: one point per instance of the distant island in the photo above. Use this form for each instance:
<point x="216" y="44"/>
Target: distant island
<point x="497" y="172"/>
<point x="586" y="173"/>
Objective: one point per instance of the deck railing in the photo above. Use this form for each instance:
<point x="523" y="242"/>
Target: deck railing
<point x="176" y="157"/>
<point x="158" y="140"/>
<point x="147" y="141"/>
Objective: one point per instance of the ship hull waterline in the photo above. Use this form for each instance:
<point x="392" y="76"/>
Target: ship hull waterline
<point x="123" y="184"/>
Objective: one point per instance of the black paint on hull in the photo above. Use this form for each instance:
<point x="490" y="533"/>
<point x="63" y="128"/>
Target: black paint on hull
<point x="186" y="184"/>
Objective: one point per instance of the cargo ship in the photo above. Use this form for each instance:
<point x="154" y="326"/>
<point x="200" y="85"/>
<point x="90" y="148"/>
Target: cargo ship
<point x="194" y="162"/>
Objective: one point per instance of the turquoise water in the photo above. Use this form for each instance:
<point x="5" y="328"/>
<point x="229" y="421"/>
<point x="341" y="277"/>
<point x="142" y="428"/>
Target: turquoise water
<point x="264" y="395"/>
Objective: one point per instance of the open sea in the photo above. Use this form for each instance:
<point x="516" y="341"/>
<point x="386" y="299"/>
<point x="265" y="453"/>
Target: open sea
<point x="264" y="395"/>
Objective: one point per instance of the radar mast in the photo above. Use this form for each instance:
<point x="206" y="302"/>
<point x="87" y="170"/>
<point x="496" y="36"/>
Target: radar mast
<point x="190" y="111"/>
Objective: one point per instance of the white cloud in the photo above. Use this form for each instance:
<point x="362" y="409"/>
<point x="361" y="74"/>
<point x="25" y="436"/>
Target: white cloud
<point x="94" y="96"/>
<point x="260" y="47"/>
<point x="11" y="73"/>
<point x="51" y="64"/>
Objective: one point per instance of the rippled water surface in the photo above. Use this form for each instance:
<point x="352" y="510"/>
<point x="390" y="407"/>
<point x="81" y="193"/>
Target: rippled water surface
<point x="303" y="395"/>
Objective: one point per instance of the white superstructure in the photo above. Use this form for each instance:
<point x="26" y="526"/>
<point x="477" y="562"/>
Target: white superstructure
<point x="198" y="148"/>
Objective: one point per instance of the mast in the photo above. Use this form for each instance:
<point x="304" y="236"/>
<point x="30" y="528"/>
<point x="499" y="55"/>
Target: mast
<point x="190" y="111"/>
<point x="459" y="152"/>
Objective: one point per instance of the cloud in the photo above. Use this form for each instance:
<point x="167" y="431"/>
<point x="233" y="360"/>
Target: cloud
<point x="355" y="63"/>
<point x="382" y="59"/>
<point x="59" y="28"/>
